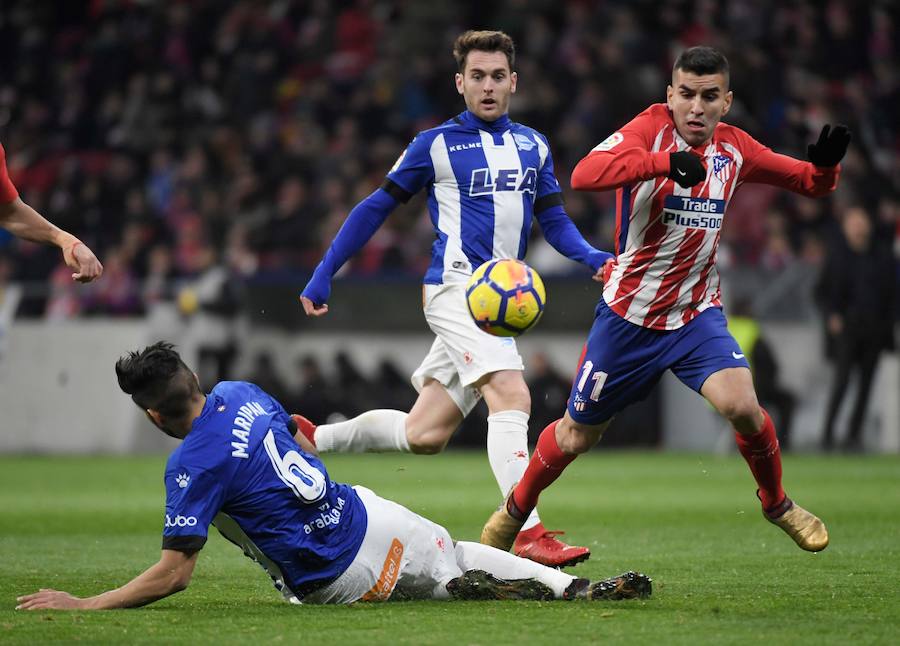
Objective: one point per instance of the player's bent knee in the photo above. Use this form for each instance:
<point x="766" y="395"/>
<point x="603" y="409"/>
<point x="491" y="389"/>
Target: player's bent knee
<point x="428" y="441"/>
<point x="577" y="438"/>
<point x="744" y="414"/>
<point x="506" y="390"/>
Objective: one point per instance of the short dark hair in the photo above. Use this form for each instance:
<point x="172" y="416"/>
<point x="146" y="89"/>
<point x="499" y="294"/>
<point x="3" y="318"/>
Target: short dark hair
<point x="483" y="41"/>
<point x="702" y="60"/>
<point x="157" y="379"/>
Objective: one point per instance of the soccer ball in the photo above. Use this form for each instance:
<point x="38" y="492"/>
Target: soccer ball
<point x="505" y="297"/>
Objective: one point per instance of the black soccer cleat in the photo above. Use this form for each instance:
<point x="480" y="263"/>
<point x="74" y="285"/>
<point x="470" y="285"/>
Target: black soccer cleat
<point x="630" y="585"/>
<point x="478" y="585"/>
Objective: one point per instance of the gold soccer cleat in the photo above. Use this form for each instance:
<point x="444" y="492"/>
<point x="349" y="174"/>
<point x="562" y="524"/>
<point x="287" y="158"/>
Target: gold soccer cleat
<point x="501" y="529"/>
<point x="805" y="528"/>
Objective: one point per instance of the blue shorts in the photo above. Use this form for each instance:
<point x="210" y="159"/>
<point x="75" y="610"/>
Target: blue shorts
<point x="622" y="361"/>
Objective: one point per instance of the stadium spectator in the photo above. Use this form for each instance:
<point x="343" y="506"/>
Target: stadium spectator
<point x="859" y="292"/>
<point x="314" y="394"/>
<point x="550" y="388"/>
<point x="244" y="467"/>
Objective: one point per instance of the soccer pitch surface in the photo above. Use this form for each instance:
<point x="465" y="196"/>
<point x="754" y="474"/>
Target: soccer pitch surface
<point x="721" y="573"/>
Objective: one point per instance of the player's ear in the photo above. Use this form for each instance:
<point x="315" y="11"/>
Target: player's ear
<point x="459" y="82"/>
<point x="729" y="97"/>
<point x="670" y="94"/>
<point x="154" y="416"/>
<point x="513" y="79"/>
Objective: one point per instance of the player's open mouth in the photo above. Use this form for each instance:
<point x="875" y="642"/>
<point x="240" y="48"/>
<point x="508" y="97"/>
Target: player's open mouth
<point x="488" y="103"/>
<point x="693" y="124"/>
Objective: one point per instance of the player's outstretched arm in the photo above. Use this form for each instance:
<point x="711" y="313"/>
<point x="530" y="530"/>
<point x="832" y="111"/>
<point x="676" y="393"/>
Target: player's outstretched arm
<point x="815" y="178"/>
<point x="564" y="236"/>
<point x="362" y="223"/>
<point x="170" y="575"/>
<point x="24" y="222"/>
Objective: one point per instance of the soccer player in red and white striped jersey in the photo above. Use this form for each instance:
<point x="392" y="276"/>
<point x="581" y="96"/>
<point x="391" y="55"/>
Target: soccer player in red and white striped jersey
<point x="675" y="168"/>
<point x="24" y="222"/>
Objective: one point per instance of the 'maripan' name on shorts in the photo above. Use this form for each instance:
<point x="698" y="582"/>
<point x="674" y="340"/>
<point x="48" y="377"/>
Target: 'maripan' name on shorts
<point x="242" y="423"/>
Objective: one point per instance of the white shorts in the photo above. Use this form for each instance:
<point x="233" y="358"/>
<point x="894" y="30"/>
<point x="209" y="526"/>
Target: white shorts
<point x="402" y="554"/>
<point x="462" y="353"/>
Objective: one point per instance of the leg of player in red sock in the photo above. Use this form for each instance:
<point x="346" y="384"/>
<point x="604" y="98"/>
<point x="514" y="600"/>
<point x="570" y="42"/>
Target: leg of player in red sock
<point x="558" y="445"/>
<point x="545" y="466"/>
<point x="537" y="543"/>
<point x="731" y="392"/>
<point x="763" y="455"/>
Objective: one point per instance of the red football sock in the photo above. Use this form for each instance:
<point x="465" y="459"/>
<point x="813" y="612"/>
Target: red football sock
<point x="306" y="427"/>
<point x="763" y="455"/>
<point x="545" y="466"/>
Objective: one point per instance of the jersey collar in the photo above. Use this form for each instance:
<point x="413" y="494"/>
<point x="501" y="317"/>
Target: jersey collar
<point x="212" y="402"/>
<point x="498" y="125"/>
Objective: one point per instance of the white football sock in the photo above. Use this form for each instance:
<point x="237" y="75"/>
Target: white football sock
<point x="475" y="556"/>
<point x="507" y="449"/>
<point x="375" y="430"/>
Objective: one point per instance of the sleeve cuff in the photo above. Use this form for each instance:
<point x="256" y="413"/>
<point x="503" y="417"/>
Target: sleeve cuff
<point x="659" y="164"/>
<point x="543" y="203"/>
<point x="396" y="191"/>
<point x="188" y="544"/>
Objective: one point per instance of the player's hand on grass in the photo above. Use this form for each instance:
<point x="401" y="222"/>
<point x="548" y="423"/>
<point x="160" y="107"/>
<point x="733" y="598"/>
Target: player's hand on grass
<point x="831" y="146"/>
<point x="686" y="169"/>
<point x="83" y="262"/>
<point x="46" y="599"/>
<point x="312" y="309"/>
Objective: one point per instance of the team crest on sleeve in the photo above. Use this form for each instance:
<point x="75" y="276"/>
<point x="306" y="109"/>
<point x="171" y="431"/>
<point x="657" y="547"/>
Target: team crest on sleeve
<point x="722" y="167"/>
<point x="610" y="142"/>
<point x="182" y="479"/>
<point x="523" y="142"/>
<point x="399" y="160"/>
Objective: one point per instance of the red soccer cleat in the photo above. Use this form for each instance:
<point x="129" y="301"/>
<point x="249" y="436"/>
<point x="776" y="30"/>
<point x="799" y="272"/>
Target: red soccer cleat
<point x="306" y="427"/>
<point x="540" y="545"/>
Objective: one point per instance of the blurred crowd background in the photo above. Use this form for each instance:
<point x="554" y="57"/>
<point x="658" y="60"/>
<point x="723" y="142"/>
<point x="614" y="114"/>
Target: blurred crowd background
<point x="174" y="136"/>
<point x="219" y="144"/>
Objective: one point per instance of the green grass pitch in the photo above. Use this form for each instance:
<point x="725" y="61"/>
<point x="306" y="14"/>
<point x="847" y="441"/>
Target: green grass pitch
<point x="721" y="573"/>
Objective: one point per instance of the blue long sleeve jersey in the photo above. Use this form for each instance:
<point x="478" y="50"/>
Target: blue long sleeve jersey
<point x="485" y="182"/>
<point x="240" y="469"/>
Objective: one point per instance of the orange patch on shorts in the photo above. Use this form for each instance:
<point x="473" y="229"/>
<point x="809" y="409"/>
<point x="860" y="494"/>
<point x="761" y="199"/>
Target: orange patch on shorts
<point x="383" y="588"/>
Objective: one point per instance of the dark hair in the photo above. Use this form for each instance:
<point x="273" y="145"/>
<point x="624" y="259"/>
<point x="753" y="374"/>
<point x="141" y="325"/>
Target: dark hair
<point x="483" y="41"/>
<point x="157" y="379"/>
<point x="702" y="60"/>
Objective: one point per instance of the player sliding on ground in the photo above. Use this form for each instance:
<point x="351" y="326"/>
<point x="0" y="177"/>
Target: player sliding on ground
<point x="243" y="467"/>
<point x="675" y="167"/>
<point x="487" y="178"/>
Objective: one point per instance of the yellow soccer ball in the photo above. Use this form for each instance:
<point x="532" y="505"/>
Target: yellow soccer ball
<point x="506" y="297"/>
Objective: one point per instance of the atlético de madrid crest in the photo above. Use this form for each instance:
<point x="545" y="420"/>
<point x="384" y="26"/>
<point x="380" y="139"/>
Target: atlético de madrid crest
<point x="722" y="167"/>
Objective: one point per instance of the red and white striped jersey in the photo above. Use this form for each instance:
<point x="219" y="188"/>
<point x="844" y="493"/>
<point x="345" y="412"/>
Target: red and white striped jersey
<point x="665" y="272"/>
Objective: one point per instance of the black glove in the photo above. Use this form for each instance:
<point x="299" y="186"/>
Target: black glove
<point x="831" y="146"/>
<point x="686" y="169"/>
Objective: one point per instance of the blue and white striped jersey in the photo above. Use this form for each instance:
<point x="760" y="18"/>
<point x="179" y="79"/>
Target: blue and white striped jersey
<point x="485" y="180"/>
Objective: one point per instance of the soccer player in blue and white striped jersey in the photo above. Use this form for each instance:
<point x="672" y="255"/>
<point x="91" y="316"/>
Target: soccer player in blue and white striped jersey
<point x="487" y="178"/>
